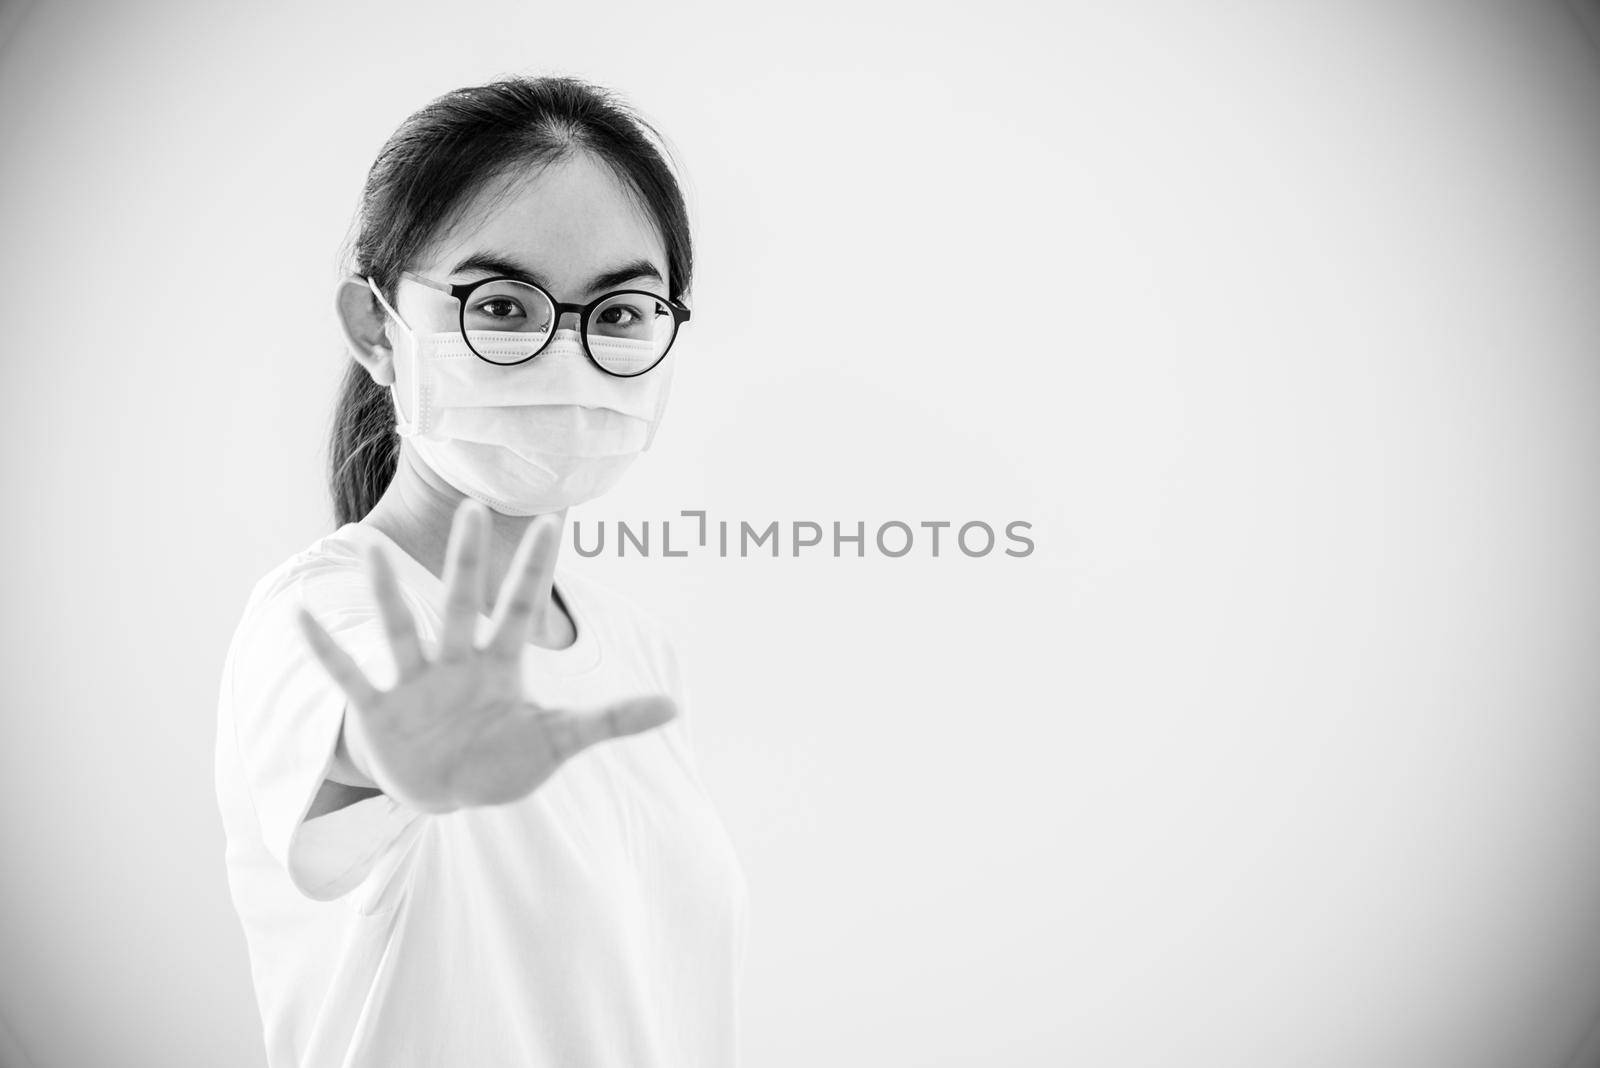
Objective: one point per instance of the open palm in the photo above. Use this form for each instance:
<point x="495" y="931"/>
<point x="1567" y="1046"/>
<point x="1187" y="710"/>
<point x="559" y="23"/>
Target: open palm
<point x="457" y="730"/>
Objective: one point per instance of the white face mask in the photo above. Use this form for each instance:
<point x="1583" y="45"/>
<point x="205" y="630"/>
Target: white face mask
<point x="526" y="438"/>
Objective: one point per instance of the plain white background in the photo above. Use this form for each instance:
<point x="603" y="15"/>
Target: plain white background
<point x="1278" y="322"/>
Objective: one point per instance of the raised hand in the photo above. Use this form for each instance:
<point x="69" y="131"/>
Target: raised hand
<point x="456" y="730"/>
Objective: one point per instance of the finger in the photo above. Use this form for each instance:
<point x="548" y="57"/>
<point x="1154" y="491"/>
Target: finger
<point x="345" y="671"/>
<point x="398" y="622"/>
<point x="463" y="577"/>
<point x="526" y="588"/>
<point x="569" y="733"/>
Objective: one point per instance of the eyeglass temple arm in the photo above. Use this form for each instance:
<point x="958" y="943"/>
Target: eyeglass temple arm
<point x="442" y="287"/>
<point x="417" y="278"/>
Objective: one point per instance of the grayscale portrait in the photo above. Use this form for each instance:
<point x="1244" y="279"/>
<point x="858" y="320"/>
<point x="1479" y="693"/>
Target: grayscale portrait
<point x="750" y="536"/>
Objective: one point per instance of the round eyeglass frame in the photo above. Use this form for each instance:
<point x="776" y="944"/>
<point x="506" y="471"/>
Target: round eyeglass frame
<point x="461" y="290"/>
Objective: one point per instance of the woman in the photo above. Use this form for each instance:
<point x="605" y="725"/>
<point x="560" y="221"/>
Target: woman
<point x="435" y="858"/>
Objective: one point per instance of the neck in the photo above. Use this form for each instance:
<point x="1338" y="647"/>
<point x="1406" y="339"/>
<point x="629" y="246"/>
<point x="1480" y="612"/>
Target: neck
<point x="416" y="513"/>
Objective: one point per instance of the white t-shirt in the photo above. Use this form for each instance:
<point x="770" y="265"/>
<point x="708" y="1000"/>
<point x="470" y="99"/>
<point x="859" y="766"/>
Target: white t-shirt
<point x="599" y="921"/>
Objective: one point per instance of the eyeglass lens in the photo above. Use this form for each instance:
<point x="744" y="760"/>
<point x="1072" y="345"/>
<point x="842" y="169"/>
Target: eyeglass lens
<point x="505" y="321"/>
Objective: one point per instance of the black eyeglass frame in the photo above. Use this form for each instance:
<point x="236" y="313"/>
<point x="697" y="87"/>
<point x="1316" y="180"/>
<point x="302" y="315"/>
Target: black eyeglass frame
<point x="461" y="290"/>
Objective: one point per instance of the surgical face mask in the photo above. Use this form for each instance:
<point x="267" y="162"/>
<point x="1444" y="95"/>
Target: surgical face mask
<point x="523" y="438"/>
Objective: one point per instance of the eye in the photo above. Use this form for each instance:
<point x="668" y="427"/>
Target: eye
<point x="619" y="314"/>
<point x="500" y="308"/>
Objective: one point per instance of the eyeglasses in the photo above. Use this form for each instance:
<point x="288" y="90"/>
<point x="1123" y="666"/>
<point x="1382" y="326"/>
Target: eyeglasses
<point x="507" y="321"/>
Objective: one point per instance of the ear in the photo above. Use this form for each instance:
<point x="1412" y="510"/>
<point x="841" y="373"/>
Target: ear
<point x="363" y="319"/>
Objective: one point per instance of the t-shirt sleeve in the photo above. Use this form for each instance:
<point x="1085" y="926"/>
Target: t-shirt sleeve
<point x="287" y="715"/>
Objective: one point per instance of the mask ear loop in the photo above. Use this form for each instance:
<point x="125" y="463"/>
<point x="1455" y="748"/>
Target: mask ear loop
<point x="379" y="294"/>
<point x="403" y="426"/>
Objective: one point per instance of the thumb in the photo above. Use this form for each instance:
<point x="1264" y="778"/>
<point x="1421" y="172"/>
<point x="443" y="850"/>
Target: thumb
<point x="641" y="714"/>
<point x="576" y="731"/>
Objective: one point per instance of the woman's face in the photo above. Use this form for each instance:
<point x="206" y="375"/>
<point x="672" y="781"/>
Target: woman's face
<point x="571" y="227"/>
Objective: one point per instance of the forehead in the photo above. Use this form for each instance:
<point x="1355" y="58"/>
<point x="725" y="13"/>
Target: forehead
<point x="570" y="220"/>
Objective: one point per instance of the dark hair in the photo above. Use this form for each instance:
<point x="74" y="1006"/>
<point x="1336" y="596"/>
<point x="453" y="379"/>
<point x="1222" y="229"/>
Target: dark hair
<point x="425" y="176"/>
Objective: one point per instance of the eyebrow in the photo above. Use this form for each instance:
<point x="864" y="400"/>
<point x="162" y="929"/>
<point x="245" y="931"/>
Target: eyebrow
<point x="494" y="263"/>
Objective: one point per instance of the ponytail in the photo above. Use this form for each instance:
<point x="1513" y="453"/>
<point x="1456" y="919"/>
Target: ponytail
<point x="364" y="447"/>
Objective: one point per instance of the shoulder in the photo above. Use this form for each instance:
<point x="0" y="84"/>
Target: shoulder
<point x="617" y="613"/>
<point x="600" y="598"/>
<point x="269" y="663"/>
<point x="327" y="577"/>
<point x="642" y="640"/>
